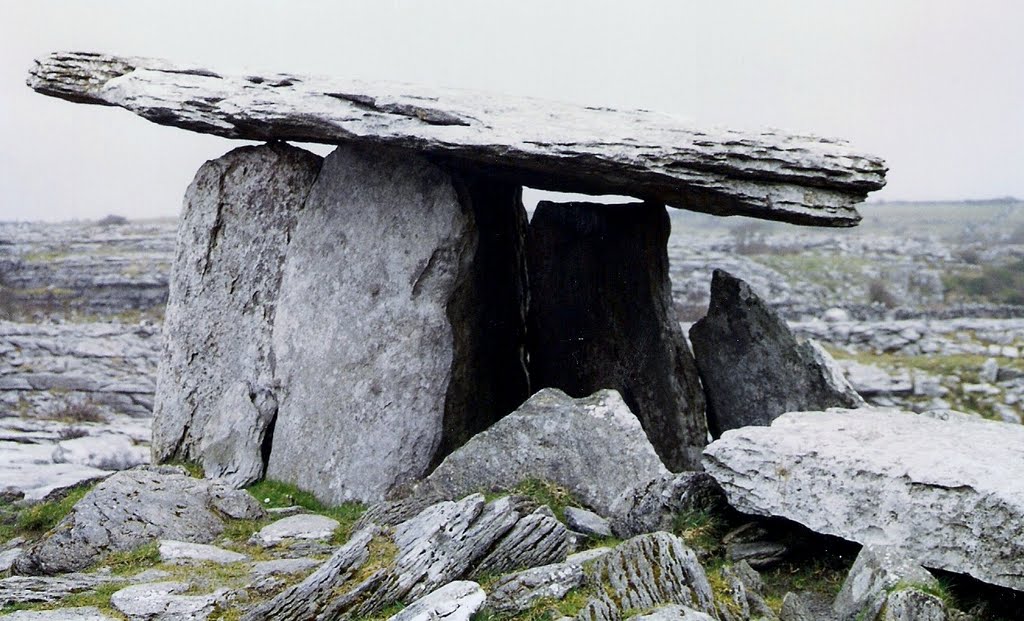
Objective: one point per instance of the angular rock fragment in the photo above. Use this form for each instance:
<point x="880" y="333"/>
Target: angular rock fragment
<point x="546" y="145"/>
<point x="231" y="447"/>
<point x="587" y="523"/>
<point x="177" y="551"/>
<point x="519" y="591"/>
<point x="911" y="604"/>
<point x="645" y="572"/>
<point x="942" y="492"/>
<point x="536" y="539"/>
<point x="303" y="526"/>
<point x="594" y="447"/>
<point x="379" y="336"/>
<point x="133" y="508"/>
<point x="455" y="601"/>
<point x="752" y="367"/>
<point x="601" y="316"/>
<point x="652" y="505"/>
<point x="239" y="214"/>
<point x="876" y="573"/>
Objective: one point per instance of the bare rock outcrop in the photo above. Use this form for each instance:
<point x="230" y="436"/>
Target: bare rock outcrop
<point x="135" y="507"/>
<point x="601" y="316"/>
<point x="752" y="367"/>
<point x="946" y="493"/>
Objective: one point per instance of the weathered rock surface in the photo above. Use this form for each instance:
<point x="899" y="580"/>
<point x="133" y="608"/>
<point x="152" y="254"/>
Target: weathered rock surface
<point x="455" y="601"/>
<point x="178" y="551"/>
<point x="135" y="507"/>
<point x="645" y="572"/>
<point x="240" y="212"/>
<point x="542" y="144"/>
<point x="382" y="261"/>
<point x="874" y="576"/>
<point x="306" y="599"/>
<point x="105" y="451"/>
<point x="943" y="492"/>
<point x="536" y="539"/>
<point x="674" y="612"/>
<point x="43" y="589"/>
<point x="305" y="526"/>
<point x="652" y="504"/>
<point x="80" y="613"/>
<point x="165" y="601"/>
<point x="587" y="522"/>
<point x="521" y="590"/>
<point x="914" y="605"/>
<point x="601" y="316"/>
<point x="752" y="367"/>
<point x="594" y="447"/>
<point x="231" y="447"/>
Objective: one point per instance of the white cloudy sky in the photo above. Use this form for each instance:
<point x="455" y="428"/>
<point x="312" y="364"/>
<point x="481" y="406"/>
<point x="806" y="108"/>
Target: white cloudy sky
<point x="935" y="86"/>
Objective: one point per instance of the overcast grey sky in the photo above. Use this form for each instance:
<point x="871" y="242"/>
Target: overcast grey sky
<point x="934" y="86"/>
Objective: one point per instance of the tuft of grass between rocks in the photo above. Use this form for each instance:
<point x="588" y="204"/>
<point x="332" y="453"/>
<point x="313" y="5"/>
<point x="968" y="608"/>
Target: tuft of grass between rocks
<point x="276" y="494"/>
<point x="31" y="521"/>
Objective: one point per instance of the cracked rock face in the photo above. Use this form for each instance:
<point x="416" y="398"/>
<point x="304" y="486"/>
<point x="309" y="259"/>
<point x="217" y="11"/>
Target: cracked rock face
<point x="239" y="214"/>
<point x="751" y="365"/>
<point x="947" y="493"/>
<point x="133" y="508"/>
<point x="601" y="316"/>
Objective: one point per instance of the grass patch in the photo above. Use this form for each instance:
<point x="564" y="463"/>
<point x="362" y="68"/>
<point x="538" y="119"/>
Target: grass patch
<point x="193" y="469"/>
<point x="43" y="516"/>
<point x="556" y="497"/>
<point x="997" y="284"/>
<point x="546" y="609"/>
<point x="939" y="590"/>
<point x="700" y="528"/>
<point x="132" y="561"/>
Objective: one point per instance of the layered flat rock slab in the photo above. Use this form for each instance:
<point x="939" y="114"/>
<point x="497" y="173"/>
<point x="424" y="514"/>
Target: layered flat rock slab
<point x="751" y="365"/>
<point x="133" y="508"/>
<point x="455" y="601"/>
<point x="593" y="446"/>
<point x="601" y="316"/>
<point x="305" y="526"/>
<point x="946" y="493"/>
<point x="548" y="145"/>
<point x="216" y="370"/>
<point x="377" y="368"/>
<point x="79" y="613"/>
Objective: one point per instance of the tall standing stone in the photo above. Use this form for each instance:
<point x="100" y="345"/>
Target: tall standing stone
<point x="752" y="366"/>
<point x="238" y="216"/>
<point x="383" y="263"/>
<point x="601" y="317"/>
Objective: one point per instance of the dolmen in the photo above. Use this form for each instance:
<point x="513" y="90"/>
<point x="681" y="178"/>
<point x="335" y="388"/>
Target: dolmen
<point x="344" y="323"/>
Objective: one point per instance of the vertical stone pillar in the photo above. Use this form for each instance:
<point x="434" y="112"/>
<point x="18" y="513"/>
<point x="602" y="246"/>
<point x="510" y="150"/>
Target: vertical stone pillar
<point x="601" y="317"/>
<point x="238" y="216"/>
<point x="392" y="290"/>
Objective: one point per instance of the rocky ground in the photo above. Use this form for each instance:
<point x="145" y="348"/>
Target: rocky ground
<point x="921" y="314"/>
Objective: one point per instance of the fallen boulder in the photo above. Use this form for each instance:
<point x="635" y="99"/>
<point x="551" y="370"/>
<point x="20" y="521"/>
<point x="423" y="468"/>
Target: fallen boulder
<point x="594" y="447"/>
<point x="135" y="507"/>
<point x="751" y="365"/>
<point x="601" y="316"/>
<point x="546" y="145"/>
<point x="946" y="493"/>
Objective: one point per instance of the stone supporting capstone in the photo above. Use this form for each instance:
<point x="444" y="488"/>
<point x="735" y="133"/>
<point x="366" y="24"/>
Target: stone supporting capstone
<point x="383" y="316"/>
<point x="238" y="216"/>
<point x="601" y="317"/>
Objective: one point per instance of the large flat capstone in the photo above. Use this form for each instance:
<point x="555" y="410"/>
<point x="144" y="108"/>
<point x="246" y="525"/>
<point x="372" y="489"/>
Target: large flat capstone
<point x="947" y="493"/>
<point x="764" y="174"/>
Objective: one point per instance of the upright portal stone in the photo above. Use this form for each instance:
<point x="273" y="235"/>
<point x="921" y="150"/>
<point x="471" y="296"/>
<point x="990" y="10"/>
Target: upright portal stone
<point x="380" y="319"/>
<point x="238" y="216"/>
<point x="601" y="317"/>
<point x="752" y="367"/>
